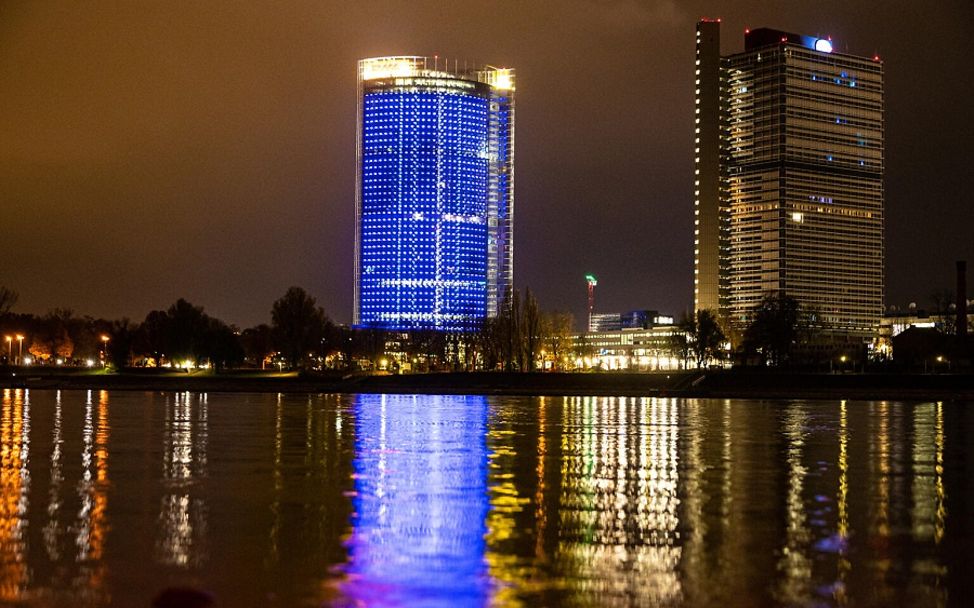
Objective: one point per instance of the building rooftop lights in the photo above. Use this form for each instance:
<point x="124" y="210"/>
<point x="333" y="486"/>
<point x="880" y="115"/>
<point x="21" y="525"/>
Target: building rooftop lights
<point x="389" y="67"/>
<point x="501" y="78"/>
<point x="824" y="45"/>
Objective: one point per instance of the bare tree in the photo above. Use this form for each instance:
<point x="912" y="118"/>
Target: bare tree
<point x="558" y="336"/>
<point x="943" y="301"/>
<point x="8" y="298"/>
<point x="532" y="329"/>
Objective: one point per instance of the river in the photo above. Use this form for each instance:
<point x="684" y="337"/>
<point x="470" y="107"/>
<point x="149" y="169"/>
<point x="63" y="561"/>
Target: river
<point x="400" y="500"/>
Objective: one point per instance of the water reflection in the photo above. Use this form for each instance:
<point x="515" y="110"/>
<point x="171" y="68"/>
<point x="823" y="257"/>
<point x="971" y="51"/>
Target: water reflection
<point x="795" y="562"/>
<point x="661" y="502"/>
<point x="182" y="515"/>
<point x="15" y="484"/>
<point x="420" y="501"/>
<point x="91" y="525"/>
<point x="52" y="529"/>
<point x="618" y="519"/>
<point x="309" y="500"/>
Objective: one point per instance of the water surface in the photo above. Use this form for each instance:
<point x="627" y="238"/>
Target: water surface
<point x="298" y="500"/>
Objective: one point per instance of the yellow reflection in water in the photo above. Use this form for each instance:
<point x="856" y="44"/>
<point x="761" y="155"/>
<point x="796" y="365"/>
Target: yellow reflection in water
<point x="182" y="516"/>
<point x="15" y="484"/>
<point x="879" y="525"/>
<point x="91" y="525"/>
<point x="52" y="530"/>
<point x="273" y="553"/>
<point x="941" y="518"/>
<point x="882" y="465"/>
<point x="696" y="495"/>
<point x="928" y="512"/>
<point x="844" y="565"/>
<point x="540" y="510"/>
<point x="618" y="521"/>
<point x="795" y="564"/>
<point x="506" y="502"/>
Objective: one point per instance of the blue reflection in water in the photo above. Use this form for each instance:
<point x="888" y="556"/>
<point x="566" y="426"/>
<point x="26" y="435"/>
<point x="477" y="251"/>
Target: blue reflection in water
<point x="421" y="501"/>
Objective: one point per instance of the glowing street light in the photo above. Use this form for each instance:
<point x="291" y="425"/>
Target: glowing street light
<point x="104" y="349"/>
<point x="20" y="348"/>
<point x="10" y="346"/>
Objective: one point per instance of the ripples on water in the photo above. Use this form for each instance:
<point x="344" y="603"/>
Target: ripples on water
<point x="286" y="500"/>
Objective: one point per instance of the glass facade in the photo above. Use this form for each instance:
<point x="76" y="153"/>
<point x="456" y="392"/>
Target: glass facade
<point x="434" y="194"/>
<point x="789" y="180"/>
<point x="806" y="184"/>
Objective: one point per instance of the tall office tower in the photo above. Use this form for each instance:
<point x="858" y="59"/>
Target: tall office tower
<point x="710" y="225"/>
<point x="434" y="195"/>
<point x="800" y="184"/>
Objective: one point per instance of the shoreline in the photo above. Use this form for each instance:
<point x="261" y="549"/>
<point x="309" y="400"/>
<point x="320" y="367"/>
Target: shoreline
<point x="715" y="384"/>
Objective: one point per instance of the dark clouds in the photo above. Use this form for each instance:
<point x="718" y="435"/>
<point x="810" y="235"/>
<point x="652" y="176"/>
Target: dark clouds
<point x="150" y="151"/>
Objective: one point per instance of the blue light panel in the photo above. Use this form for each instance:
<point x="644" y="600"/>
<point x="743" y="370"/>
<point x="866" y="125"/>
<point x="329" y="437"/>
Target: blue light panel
<point x="423" y="243"/>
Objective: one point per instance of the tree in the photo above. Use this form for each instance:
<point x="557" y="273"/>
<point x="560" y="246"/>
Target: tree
<point x="532" y="330"/>
<point x="488" y="341"/>
<point x="511" y="332"/>
<point x="732" y="331"/>
<point x="704" y="335"/>
<point x="344" y="345"/>
<point x="54" y="335"/>
<point x="558" y="336"/>
<point x="123" y="334"/>
<point x="944" y="305"/>
<point x="427" y="345"/>
<point x="187" y="330"/>
<point x="369" y="343"/>
<point x="222" y="346"/>
<point x="775" y="327"/>
<point x="679" y="340"/>
<point x="8" y="298"/>
<point x="258" y="343"/>
<point x="85" y="333"/>
<point x="299" y="325"/>
<point x="152" y="336"/>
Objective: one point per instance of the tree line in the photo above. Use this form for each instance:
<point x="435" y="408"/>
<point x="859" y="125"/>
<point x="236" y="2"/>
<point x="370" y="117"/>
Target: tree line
<point x="300" y="335"/>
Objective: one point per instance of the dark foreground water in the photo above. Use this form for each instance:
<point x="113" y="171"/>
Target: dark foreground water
<point x="285" y="500"/>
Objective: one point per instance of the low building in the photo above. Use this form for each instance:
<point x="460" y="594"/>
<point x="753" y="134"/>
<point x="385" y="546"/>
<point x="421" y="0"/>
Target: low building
<point x="648" y="349"/>
<point x="605" y="321"/>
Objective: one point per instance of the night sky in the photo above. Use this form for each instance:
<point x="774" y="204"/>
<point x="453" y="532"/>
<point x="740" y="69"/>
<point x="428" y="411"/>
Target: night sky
<point x="156" y="150"/>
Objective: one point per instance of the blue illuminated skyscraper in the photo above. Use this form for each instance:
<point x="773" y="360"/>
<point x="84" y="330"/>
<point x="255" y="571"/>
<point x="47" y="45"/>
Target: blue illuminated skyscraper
<point x="434" y="193"/>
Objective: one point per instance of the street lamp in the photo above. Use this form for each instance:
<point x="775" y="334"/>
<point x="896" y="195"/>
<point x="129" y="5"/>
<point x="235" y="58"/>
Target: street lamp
<point x="104" y="349"/>
<point x="20" y="348"/>
<point x="10" y="346"/>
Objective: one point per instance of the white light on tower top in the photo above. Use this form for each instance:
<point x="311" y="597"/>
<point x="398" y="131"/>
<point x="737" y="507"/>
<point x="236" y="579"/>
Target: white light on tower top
<point x="824" y="45"/>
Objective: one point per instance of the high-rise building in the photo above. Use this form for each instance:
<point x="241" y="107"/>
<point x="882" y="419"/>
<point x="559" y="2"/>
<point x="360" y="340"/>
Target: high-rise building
<point x="434" y="195"/>
<point x="789" y="179"/>
<point x="710" y="288"/>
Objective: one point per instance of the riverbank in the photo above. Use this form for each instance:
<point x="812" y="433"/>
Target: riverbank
<point x="752" y="384"/>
